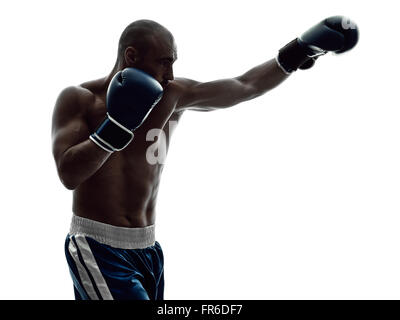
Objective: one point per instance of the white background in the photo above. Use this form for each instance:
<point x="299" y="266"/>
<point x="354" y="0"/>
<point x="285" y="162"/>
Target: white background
<point x="293" y="195"/>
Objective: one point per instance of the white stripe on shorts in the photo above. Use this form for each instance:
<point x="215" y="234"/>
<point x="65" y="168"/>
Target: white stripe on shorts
<point x="91" y="264"/>
<point x="86" y="282"/>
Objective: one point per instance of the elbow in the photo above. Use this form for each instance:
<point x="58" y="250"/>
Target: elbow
<point x="249" y="90"/>
<point x="67" y="181"/>
<point x="69" y="185"/>
<point x="66" y="176"/>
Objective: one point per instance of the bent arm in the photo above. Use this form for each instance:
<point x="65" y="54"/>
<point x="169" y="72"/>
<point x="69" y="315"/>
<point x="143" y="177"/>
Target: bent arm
<point x="76" y="156"/>
<point x="226" y="93"/>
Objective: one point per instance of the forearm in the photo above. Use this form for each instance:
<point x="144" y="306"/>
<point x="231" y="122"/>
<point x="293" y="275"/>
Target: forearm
<point x="264" y="77"/>
<point x="80" y="162"/>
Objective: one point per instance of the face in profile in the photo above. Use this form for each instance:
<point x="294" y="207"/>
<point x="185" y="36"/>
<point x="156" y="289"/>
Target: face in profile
<point x="158" y="60"/>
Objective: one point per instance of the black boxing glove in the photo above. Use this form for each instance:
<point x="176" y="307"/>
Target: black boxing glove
<point x="336" y="34"/>
<point x="131" y="96"/>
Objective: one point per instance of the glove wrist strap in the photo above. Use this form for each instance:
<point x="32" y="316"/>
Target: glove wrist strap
<point x="111" y="135"/>
<point x="292" y="56"/>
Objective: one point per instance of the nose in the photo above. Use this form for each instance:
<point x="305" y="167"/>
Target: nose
<point x="169" y="75"/>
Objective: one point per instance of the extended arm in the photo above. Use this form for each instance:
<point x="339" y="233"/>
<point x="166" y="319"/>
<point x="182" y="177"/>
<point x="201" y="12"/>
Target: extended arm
<point x="225" y="93"/>
<point x="335" y="34"/>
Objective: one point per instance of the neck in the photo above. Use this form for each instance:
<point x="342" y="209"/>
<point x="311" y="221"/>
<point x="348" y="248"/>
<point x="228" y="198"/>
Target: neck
<point x="117" y="67"/>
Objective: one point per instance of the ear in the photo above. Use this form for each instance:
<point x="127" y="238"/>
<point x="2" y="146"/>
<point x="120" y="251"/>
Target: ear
<point x="131" y="56"/>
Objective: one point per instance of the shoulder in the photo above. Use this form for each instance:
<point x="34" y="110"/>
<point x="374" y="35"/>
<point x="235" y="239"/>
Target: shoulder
<point x="73" y="99"/>
<point x="71" y="107"/>
<point x="183" y="83"/>
<point x="182" y="89"/>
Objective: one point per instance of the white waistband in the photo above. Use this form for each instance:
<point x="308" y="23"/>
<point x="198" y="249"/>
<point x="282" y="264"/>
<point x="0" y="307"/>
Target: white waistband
<point x="117" y="237"/>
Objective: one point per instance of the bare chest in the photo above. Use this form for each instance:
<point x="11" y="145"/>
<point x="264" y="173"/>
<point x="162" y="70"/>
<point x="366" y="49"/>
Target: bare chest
<point x="148" y="150"/>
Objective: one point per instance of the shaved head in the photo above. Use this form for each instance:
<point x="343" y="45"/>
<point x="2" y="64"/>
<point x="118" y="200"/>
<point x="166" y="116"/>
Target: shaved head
<point x="141" y="35"/>
<point x="148" y="46"/>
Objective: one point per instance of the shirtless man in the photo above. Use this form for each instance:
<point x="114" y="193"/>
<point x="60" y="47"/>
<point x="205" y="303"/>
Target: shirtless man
<point x="111" y="249"/>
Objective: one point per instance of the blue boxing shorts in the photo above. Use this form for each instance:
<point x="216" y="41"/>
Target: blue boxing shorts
<point x="114" y="263"/>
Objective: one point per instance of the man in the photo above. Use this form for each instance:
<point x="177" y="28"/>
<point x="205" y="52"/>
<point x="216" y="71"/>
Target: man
<point x="101" y="151"/>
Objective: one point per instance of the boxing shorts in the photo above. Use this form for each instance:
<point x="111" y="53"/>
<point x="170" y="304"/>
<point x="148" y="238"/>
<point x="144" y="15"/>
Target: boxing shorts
<point x="114" y="263"/>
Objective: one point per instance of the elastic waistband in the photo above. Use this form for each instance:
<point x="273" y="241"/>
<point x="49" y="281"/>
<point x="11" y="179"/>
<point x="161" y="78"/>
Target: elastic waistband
<point x="117" y="237"/>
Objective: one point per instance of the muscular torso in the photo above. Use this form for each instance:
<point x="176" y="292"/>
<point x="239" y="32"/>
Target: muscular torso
<point x="123" y="191"/>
